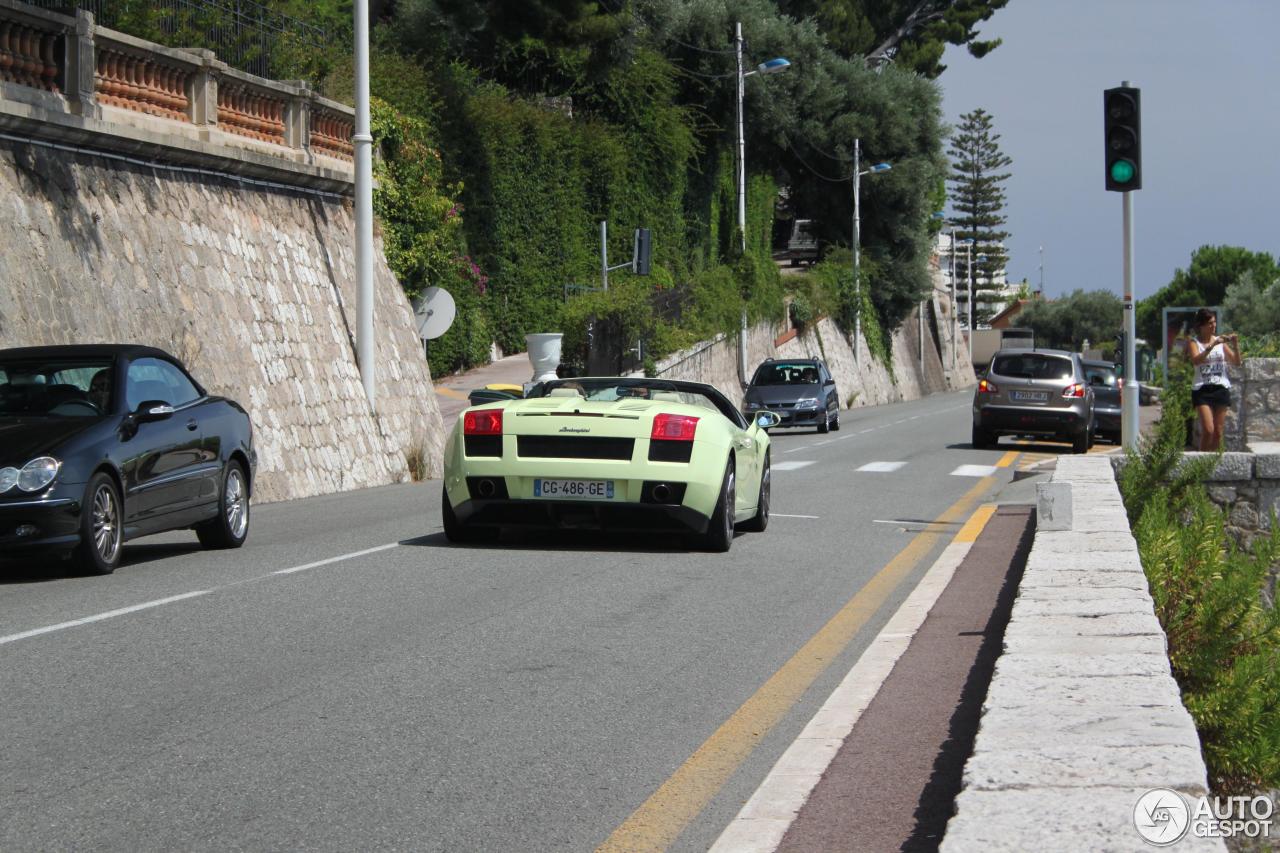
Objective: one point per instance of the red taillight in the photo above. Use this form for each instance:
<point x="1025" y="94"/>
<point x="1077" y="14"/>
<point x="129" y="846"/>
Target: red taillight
<point x="483" y="422"/>
<point x="673" y="428"/>
<point x="985" y="387"/>
<point x="1120" y="384"/>
<point x="1076" y="390"/>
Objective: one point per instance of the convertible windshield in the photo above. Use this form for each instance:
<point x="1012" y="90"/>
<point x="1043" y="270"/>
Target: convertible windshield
<point x="55" y="387"/>
<point x="611" y="390"/>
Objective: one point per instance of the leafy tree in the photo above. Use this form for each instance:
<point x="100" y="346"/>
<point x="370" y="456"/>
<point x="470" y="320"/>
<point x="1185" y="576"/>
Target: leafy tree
<point x="1252" y="307"/>
<point x="979" y="201"/>
<point x="1213" y="269"/>
<point x="1093" y="316"/>
<point x="913" y="34"/>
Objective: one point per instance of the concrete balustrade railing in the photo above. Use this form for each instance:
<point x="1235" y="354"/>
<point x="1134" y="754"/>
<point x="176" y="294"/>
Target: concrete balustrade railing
<point x="60" y="68"/>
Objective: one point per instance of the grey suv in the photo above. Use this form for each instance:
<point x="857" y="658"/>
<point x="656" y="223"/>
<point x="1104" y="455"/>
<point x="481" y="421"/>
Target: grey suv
<point x="801" y="390"/>
<point x="1039" y="392"/>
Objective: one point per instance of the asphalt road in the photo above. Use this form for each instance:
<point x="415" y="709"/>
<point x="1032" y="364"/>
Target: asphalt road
<point x="350" y="681"/>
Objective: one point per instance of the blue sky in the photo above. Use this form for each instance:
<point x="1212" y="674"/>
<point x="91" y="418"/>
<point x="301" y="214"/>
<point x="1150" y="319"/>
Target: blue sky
<point x="1208" y="71"/>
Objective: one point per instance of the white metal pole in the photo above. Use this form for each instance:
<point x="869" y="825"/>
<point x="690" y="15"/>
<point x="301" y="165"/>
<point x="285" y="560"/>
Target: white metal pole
<point x="742" y="197"/>
<point x="857" y="241"/>
<point x="1129" y="396"/>
<point x="968" y="266"/>
<point x="362" y="141"/>
<point x="742" y="142"/>
<point x="604" y="253"/>
<point x="955" y="306"/>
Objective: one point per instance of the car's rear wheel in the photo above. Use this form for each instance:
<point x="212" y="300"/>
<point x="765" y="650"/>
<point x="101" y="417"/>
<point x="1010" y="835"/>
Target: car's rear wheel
<point x="231" y="526"/>
<point x="981" y="438"/>
<point x="758" y="522"/>
<point x="719" y="535"/>
<point x="101" y="527"/>
<point x="455" y="530"/>
<point x="1080" y="442"/>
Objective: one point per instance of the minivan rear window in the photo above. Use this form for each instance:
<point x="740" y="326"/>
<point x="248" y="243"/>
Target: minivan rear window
<point x="1032" y="365"/>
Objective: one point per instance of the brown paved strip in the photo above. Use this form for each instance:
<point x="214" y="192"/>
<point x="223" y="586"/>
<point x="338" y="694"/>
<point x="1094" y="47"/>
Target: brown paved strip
<point x="892" y="784"/>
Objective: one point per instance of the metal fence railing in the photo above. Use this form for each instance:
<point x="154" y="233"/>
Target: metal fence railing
<point x="244" y="34"/>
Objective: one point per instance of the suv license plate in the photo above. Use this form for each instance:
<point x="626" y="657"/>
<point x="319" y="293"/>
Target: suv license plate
<point x="1029" y="396"/>
<point x="587" y="490"/>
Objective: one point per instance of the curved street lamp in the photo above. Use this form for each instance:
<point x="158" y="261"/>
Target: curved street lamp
<point x="772" y="66"/>
<point x="857" y="234"/>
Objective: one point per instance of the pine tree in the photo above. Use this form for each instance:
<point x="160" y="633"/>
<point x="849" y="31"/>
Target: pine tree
<point x="978" y="201"/>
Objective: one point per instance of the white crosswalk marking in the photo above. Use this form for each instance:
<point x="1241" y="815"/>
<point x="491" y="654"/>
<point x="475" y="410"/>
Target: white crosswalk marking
<point x="882" y="467"/>
<point x="791" y="466"/>
<point x="974" y="471"/>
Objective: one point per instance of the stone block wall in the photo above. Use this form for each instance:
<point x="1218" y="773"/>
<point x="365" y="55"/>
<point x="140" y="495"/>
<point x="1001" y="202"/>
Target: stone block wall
<point x="252" y="286"/>
<point x="861" y="381"/>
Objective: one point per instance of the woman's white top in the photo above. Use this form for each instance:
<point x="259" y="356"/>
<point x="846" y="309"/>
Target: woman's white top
<point x="1213" y="370"/>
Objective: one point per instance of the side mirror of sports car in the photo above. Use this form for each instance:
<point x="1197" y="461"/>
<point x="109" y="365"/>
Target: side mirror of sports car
<point x="764" y="420"/>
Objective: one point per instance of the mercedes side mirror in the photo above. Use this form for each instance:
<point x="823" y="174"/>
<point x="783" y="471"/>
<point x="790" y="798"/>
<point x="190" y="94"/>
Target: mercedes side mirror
<point x="153" y="410"/>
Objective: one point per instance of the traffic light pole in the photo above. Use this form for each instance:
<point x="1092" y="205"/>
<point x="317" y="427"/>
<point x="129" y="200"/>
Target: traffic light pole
<point x="1129" y="395"/>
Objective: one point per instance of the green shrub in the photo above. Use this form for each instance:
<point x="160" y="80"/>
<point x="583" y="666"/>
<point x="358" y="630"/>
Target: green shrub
<point x="1224" y="645"/>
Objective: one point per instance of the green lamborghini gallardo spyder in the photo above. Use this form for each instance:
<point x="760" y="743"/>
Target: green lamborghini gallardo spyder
<point x="615" y="454"/>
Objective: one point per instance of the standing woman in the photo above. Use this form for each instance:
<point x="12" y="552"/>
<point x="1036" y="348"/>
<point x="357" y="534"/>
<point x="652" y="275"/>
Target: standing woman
<point x="1211" y="390"/>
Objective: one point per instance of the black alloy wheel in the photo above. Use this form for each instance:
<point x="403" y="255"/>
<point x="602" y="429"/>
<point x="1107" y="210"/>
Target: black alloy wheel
<point x="101" y="527"/>
<point x="230" y="527"/>
<point x="758" y="522"/>
<point x="719" y="535"/>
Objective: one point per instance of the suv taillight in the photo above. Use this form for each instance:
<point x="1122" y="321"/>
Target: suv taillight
<point x="483" y="422"/>
<point x="1076" y="390"/>
<point x="673" y="427"/>
<point x="985" y="387"/>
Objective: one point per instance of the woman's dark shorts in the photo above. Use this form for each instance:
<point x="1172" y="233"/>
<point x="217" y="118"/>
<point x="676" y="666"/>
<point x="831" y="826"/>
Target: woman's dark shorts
<point x="1212" y="395"/>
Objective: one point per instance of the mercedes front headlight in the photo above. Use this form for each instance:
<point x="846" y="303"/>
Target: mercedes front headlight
<point x="8" y="479"/>
<point x="38" y="473"/>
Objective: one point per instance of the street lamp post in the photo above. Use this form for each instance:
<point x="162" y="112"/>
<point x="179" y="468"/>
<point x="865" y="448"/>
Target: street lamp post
<point x="773" y="66"/>
<point x="968" y="267"/>
<point x="858" y="172"/>
<point x="362" y="141"/>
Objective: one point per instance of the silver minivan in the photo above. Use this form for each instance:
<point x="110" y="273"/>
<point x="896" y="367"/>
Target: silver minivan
<point x="1036" y="392"/>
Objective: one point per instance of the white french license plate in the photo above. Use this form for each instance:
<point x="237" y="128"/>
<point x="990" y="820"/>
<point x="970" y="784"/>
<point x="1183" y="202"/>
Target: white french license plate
<point x="587" y="490"/>
<point x="1029" y="396"/>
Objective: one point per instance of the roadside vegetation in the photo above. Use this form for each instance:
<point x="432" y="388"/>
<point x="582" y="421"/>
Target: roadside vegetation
<point x="1224" y="640"/>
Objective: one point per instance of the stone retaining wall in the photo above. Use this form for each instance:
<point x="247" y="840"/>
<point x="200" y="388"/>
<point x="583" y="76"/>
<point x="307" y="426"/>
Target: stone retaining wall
<point x="253" y="288"/>
<point x="861" y="381"/>
<point x="1083" y="715"/>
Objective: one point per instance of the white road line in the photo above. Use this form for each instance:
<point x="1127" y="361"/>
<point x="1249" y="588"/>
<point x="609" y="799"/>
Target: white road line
<point x="792" y="466"/>
<point x="882" y="467"/>
<point x="366" y="551"/>
<point x="861" y="431"/>
<point x="35" y="632"/>
<point x="974" y="471"/>
<point x="783" y="515"/>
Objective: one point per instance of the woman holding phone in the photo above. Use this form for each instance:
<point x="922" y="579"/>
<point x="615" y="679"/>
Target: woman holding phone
<point x="1211" y="389"/>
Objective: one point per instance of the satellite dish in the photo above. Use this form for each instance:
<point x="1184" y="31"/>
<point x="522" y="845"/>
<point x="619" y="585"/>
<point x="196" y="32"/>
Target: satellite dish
<point x="433" y="313"/>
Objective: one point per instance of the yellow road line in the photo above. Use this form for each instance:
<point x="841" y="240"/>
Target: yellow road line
<point x="449" y="392"/>
<point x="656" y="824"/>
<point x="977" y="521"/>
<point x="1007" y="459"/>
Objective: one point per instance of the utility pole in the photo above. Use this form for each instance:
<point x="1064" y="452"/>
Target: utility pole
<point x="362" y="141"/>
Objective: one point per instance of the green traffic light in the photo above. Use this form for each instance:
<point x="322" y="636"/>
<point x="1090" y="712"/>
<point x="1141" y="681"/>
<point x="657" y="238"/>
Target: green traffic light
<point x="1122" y="171"/>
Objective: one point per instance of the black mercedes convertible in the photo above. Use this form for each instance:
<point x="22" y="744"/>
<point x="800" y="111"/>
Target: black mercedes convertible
<point x="100" y="444"/>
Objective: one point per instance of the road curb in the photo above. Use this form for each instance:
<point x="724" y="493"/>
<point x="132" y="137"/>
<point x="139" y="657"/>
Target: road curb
<point x="762" y="822"/>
